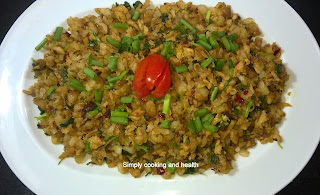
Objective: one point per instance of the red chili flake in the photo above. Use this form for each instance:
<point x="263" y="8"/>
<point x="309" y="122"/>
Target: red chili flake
<point x="162" y="115"/>
<point x="238" y="99"/>
<point x="68" y="34"/>
<point x="160" y="171"/>
<point x="143" y="101"/>
<point x="245" y="92"/>
<point x="197" y="9"/>
<point x="98" y="72"/>
<point x="185" y="42"/>
<point x="276" y="51"/>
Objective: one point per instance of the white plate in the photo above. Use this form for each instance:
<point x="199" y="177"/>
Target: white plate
<point x="33" y="158"/>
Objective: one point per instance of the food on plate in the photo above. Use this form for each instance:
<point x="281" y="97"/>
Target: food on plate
<point x="179" y="83"/>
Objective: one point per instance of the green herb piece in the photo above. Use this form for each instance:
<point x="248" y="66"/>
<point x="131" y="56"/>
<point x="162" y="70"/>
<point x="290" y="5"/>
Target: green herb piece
<point x="145" y="148"/>
<point x="203" y="38"/>
<point x="175" y="145"/>
<point x="90" y="73"/>
<point x="113" y="42"/>
<point x="127" y="5"/>
<point x="236" y="111"/>
<point x="226" y="43"/>
<point x="126" y="43"/>
<point x="75" y="84"/>
<point x="204" y="44"/>
<point x="207" y="18"/>
<point x="91" y="163"/>
<point x="135" y="46"/>
<point x="278" y="67"/>
<point x="93" y="113"/>
<point x="181" y="29"/>
<point x="210" y="128"/>
<point x="146" y="46"/>
<point x="166" y="104"/>
<point x="87" y="148"/>
<point x="198" y="124"/>
<point x="57" y="34"/>
<point x="171" y="168"/>
<point x="120" y="25"/>
<point x="280" y="145"/>
<point x="164" y="17"/>
<point x="217" y="34"/>
<point x="231" y="67"/>
<point x="136" y="4"/>
<point x="266" y="54"/>
<point x="67" y="122"/>
<point x="214" y="94"/>
<point x="220" y="64"/>
<point x="233" y="37"/>
<point x="50" y="91"/>
<point x="41" y="44"/>
<point x="61" y="161"/>
<point x="136" y="15"/>
<point x="113" y="79"/>
<point x="214" y="159"/>
<point x="98" y="96"/>
<point x="214" y="43"/>
<point x="207" y="119"/>
<point x="191" y="127"/>
<point x="42" y="116"/>
<point x="201" y="112"/>
<point x="181" y="69"/>
<point x="126" y="100"/>
<point x="119" y="120"/>
<point x="207" y="62"/>
<point x="119" y="114"/>
<point x="67" y="47"/>
<point x="166" y="48"/>
<point x="165" y="124"/>
<point x="113" y="61"/>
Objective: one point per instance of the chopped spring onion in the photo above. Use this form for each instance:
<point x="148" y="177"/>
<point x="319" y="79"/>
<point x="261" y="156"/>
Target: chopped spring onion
<point x="98" y="96"/>
<point x="67" y="47"/>
<point x="198" y="124"/>
<point x="246" y="114"/>
<point x="205" y="45"/>
<point x="234" y="46"/>
<point x="191" y="28"/>
<point x="75" y="84"/>
<point x="214" y="94"/>
<point x="138" y="37"/>
<point x="93" y="113"/>
<point x="203" y="38"/>
<point x="96" y="36"/>
<point x="113" y="79"/>
<point x="207" y="62"/>
<point x="226" y="43"/>
<point x="214" y="43"/>
<point x="233" y="37"/>
<point x="220" y="64"/>
<point x="57" y="33"/>
<point x="126" y="43"/>
<point x="113" y="42"/>
<point x="266" y="54"/>
<point x="51" y="90"/>
<point x="170" y="168"/>
<point x="96" y="63"/>
<point x="280" y="145"/>
<point x="123" y="74"/>
<point x="207" y="19"/>
<point x="119" y="114"/>
<point x="207" y="119"/>
<point x="145" y="148"/>
<point x="175" y="145"/>
<point x="42" y="116"/>
<point x="210" y="128"/>
<point x="120" y="25"/>
<point x="166" y="104"/>
<point x="237" y="111"/>
<point x="61" y="161"/>
<point x="191" y="126"/>
<point x="88" y="93"/>
<point x="87" y="148"/>
<point x="126" y="100"/>
<point x="90" y="73"/>
<point x="218" y="34"/>
<point x="201" y="112"/>
<point x="109" y="86"/>
<point x="67" y="122"/>
<point x="119" y="120"/>
<point x="181" y="29"/>
<point x="41" y="44"/>
<point x="136" y="15"/>
<point x="181" y="69"/>
<point x="135" y="46"/>
<point x="136" y="4"/>
<point x="231" y="67"/>
<point x="112" y="63"/>
<point x="165" y="124"/>
<point x="166" y="48"/>
<point x="131" y="77"/>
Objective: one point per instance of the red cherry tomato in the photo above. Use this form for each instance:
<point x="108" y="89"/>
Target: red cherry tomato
<point x="152" y="75"/>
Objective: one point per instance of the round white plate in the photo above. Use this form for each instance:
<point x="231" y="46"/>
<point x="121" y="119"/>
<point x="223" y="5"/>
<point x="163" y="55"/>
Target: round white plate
<point x="33" y="158"/>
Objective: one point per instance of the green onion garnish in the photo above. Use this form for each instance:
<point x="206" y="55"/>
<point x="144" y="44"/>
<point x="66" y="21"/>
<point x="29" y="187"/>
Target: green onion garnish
<point x="96" y="63"/>
<point x="181" y="69"/>
<point x="280" y="145"/>
<point x="113" y="79"/>
<point x="93" y="113"/>
<point x="90" y="73"/>
<point x="126" y="100"/>
<point x="119" y="114"/>
<point x="203" y="38"/>
<point x="210" y="128"/>
<point x="207" y="62"/>
<point x="131" y="77"/>
<point x="218" y="34"/>
<point x="181" y="29"/>
<point x="165" y="124"/>
<point x="201" y="112"/>
<point x="246" y="114"/>
<point x="135" y="46"/>
<point x="237" y="111"/>
<point x="42" y="116"/>
<point x="166" y="104"/>
<point x="40" y="45"/>
<point x="87" y="148"/>
<point x="67" y="122"/>
<point x="231" y="67"/>
<point x="113" y="42"/>
<point x="136" y="15"/>
<point x="67" y="47"/>
<point x="214" y="43"/>
<point x="214" y="94"/>
<point x="166" y="48"/>
<point x="112" y="63"/>
<point x="205" y="45"/>
<point x="191" y="28"/>
<point x="75" y="84"/>
<point x="226" y="43"/>
<point x="207" y="119"/>
<point x="207" y="19"/>
<point x="198" y="124"/>
<point x="126" y="43"/>
<point x="171" y="168"/>
<point x="145" y="148"/>
<point x="220" y="64"/>
<point x="138" y="37"/>
<point x="266" y="54"/>
<point x="119" y="120"/>
<point x="57" y="33"/>
<point x="123" y="74"/>
<point x="233" y="37"/>
<point x="120" y="25"/>
<point x="191" y="126"/>
<point x="109" y="86"/>
<point x="98" y="96"/>
<point x="51" y="90"/>
<point x="175" y="145"/>
<point x="278" y="67"/>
